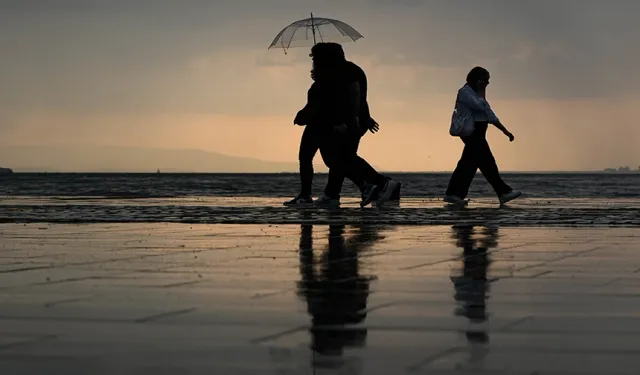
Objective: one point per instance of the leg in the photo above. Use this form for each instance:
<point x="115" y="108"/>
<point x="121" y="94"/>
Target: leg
<point x="361" y="169"/>
<point x="332" y="152"/>
<point x="309" y="144"/>
<point x="308" y="148"/>
<point x="365" y="176"/>
<point x="337" y="176"/>
<point x="489" y="169"/>
<point x="344" y="161"/>
<point x="465" y="170"/>
<point x="377" y="187"/>
<point x="340" y="154"/>
<point x="336" y="179"/>
<point x="357" y="179"/>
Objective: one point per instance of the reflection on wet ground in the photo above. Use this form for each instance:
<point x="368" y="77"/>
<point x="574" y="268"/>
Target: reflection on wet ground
<point x="318" y="299"/>
<point x="334" y="290"/>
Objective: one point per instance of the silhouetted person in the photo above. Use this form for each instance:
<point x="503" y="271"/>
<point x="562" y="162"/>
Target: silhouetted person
<point x="472" y="284"/>
<point x="339" y="108"/>
<point x="335" y="292"/>
<point x="311" y="140"/>
<point x="477" y="153"/>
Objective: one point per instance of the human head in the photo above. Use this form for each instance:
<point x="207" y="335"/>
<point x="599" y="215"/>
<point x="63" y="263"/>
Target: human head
<point x="326" y="51"/>
<point x="326" y="57"/>
<point x="478" y="77"/>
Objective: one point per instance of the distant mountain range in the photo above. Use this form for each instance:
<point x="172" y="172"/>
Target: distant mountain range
<point x="132" y="159"/>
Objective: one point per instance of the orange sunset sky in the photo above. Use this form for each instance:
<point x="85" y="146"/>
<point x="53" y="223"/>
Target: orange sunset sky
<point x="197" y="75"/>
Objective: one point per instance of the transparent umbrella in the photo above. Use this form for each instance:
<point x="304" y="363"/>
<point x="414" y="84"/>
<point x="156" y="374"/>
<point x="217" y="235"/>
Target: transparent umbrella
<point x="307" y="32"/>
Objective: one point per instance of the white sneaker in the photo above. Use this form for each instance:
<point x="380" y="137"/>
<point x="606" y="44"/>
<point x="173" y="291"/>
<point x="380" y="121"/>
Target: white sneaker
<point x="325" y="201"/>
<point x="454" y="199"/>
<point x="513" y="194"/>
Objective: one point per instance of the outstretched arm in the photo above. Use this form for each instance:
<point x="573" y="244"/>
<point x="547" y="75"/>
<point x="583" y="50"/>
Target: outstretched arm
<point x="493" y="119"/>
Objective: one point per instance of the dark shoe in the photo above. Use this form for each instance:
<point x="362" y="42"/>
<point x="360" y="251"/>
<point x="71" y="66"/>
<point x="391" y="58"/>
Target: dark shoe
<point x="299" y="201"/>
<point x="395" y="196"/>
<point x="513" y="194"/>
<point x="370" y="193"/>
<point x="328" y="202"/>
<point x="387" y="191"/>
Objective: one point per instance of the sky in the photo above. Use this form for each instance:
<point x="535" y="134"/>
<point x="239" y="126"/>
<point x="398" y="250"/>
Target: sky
<point x="196" y="74"/>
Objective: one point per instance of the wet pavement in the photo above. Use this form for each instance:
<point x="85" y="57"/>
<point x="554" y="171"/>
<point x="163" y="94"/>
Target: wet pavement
<point x="318" y="299"/>
<point x="619" y="212"/>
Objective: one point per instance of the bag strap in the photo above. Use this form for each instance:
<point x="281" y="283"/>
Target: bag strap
<point x="455" y="106"/>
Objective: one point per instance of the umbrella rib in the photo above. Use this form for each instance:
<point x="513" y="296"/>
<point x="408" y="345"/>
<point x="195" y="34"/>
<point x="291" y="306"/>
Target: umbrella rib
<point x="275" y="40"/>
<point x="293" y="34"/>
<point x="308" y="23"/>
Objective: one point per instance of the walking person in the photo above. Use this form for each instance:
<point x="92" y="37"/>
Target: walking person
<point x="340" y="102"/>
<point x="310" y="145"/>
<point x="311" y="117"/>
<point x="473" y="114"/>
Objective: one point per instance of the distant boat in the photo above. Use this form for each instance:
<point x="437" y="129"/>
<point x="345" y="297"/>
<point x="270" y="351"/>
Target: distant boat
<point x="5" y="171"/>
<point x="158" y="171"/>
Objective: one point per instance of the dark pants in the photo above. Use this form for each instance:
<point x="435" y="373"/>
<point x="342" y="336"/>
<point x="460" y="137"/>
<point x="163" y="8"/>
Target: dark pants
<point x="340" y="154"/>
<point x="476" y="154"/>
<point x="312" y="139"/>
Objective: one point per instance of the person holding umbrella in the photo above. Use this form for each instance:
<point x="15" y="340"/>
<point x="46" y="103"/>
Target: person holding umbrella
<point x="297" y="34"/>
<point x="311" y="138"/>
<point x="338" y="108"/>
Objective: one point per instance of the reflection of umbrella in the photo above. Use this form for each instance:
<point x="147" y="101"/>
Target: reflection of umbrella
<point x="325" y="29"/>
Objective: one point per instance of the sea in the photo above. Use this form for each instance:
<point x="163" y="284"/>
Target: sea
<point x="208" y="197"/>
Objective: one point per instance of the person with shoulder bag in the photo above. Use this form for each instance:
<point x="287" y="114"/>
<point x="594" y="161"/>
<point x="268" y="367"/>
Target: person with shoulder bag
<point x="470" y="120"/>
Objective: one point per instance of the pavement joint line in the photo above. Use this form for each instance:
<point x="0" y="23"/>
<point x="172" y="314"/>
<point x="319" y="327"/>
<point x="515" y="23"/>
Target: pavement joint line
<point x="168" y="314"/>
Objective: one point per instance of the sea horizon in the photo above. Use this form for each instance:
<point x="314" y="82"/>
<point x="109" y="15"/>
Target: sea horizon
<point x="160" y="171"/>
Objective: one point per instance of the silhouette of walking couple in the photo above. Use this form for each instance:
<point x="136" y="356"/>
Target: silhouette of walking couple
<point x="337" y="116"/>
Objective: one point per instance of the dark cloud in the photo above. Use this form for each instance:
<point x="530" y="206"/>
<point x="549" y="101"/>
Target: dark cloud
<point x="552" y="49"/>
<point x="96" y="55"/>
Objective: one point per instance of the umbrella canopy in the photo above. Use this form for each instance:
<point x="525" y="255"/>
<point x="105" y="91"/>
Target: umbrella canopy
<point x="309" y="31"/>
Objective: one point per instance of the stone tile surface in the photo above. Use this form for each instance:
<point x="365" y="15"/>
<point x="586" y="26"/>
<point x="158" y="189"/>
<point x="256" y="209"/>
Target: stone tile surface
<point x="559" y="212"/>
<point x="317" y="299"/>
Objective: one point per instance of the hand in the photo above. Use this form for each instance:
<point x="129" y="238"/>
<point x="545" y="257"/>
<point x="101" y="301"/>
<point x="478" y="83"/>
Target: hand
<point x="340" y="129"/>
<point x="374" y="126"/>
<point x="299" y="119"/>
<point x="509" y="135"/>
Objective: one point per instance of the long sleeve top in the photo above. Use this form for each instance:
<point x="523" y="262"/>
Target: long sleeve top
<point x="469" y="100"/>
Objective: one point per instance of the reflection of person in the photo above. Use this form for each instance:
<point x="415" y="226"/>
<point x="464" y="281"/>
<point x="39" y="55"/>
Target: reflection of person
<point x="335" y="292"/>
<point x="472" y="285"/>
<point x="320" y="113"/>
<point x="477" y="153"/>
